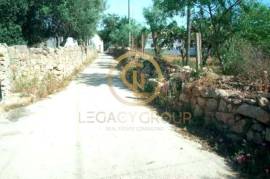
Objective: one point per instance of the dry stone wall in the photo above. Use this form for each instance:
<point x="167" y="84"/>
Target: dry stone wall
<point x="237" y="115"/>
<point x="21" y="61"/>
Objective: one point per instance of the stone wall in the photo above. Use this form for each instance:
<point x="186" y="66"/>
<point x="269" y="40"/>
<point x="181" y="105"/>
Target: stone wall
<point x="20" y="61"/>
<point x="236" y="114"/>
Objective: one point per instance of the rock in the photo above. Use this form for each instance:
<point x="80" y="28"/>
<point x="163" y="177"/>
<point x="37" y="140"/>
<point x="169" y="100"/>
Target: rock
<point x="198" y="112"/>
<point x="201" y="102"/>
<point x="221" y="93"/>
<point x="208" y="93"/>
<point x="250" y="101"/>
<point x="254" y="137"/>
<point x="234" y="137"/>
<point x="209" y="116"/>
<point x="185" y="73"/>
<point x="230" y="108"/>
<point x="239" y="126"/>
<point x="184" y="98"/>
<point x="222" y="106"/>
<point x="197" y="90"/>
<point x="267" y="135"/>
<point x="193" y="101"/>
<point x="257" y="127"/>
<point x="225" y="117"/>
<point x="236" y="101"/>
<point x="211" y="105"/>
<point x="187" y="89"/>
<point x="254" y="112"/>
<point x="263" y="102"/>
<point x="250" y="135"/>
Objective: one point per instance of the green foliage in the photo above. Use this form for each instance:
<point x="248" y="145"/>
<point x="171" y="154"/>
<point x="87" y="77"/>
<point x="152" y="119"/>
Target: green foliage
<point x="232" y="56"/>
<point x="158" y="22"/>
<point x="34" y="21"/>
<point x="115" y="31"/>
<point x="11" y="34"/>
<point x="12" y="16"/>
<point x="254" y="25"/>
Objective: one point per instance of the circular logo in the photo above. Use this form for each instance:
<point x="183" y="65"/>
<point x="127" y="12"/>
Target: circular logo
<point x="137" y="81"/>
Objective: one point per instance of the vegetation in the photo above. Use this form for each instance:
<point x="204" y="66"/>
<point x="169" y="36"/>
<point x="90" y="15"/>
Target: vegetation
<point x="224" y="24"/>
<point x="33" y="21"/>
<point x="235" y="38"/>
<point x="115" y="31"/>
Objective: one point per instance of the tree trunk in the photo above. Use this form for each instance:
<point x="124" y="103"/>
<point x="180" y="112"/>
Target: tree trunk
<point x="155" y="43"/>
<point x="188" y="33"/>
<point x="64" y="41"/>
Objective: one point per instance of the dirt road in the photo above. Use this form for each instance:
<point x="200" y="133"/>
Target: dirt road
<point x="84" y="132"/>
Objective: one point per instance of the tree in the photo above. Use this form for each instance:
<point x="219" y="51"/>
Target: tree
<point x="12" y="16"/>
<point x="217" y="21"/>
<point x="157" y="21"/>
<point x="110" y="23"/>
<point x="36" y="20"/>
<point x="115" y="31"/>
<point x="254" y="25"/>
<point x="84" y="16"/>
<point x="175" y="7"/>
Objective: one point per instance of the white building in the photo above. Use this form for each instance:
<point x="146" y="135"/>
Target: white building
<point x="97" y="43"/>
<point x="71" y="42"/>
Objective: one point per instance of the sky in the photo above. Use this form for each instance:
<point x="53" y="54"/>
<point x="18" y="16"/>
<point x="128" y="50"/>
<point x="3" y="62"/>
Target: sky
<point x="120" y="7"/>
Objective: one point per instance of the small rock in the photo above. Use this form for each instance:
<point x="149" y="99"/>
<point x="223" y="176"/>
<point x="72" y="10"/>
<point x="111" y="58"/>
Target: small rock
<point x="239" y="126"/>
<point x="263" y="102"/>
<point x="236" y="101"/>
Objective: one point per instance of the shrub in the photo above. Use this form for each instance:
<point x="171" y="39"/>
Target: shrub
<point x="242" y="59"/>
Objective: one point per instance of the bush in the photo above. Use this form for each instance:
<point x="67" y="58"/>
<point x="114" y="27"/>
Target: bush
<point x="242" y="59"/>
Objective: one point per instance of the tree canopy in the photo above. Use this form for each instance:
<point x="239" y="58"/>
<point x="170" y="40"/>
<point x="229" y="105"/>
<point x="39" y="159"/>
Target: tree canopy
<point x="33" y="21"/>
<point x="115" y="30"/>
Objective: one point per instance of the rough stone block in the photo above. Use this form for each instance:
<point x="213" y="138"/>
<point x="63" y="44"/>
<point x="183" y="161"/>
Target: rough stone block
<point x="239" y="126"/>
<point x="211" y="105"/>
<point x="201" y="102"/>
<point x="225" y="117"/>
<point x="222" y="106"/>
<point x="254" y="112"/>
<point x="198" y="112"/>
